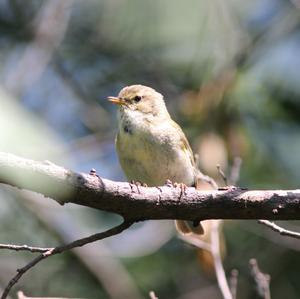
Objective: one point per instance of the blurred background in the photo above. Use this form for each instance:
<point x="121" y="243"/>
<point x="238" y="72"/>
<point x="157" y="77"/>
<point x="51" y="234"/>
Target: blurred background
<point x="229" y="71"/>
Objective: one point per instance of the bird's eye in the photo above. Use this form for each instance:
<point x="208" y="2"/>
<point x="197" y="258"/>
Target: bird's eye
<point x="137" y="98"/>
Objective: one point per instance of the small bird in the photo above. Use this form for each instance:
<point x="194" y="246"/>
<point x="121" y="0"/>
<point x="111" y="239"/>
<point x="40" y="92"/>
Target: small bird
<point x="152" y="148"/>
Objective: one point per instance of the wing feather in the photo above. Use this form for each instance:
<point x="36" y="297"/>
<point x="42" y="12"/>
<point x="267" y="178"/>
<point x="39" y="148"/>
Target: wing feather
<point x="184" y="144"/>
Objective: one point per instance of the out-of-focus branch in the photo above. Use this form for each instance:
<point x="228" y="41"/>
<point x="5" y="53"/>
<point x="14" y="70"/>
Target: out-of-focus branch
<point x="50" y="27"/>
<point x="21" y="295"/>
<point x="235" y="170"/>
<point x="152" y="295"/>
<point x="215" y="251"/>
<point x="67" y="228"/>
<point x="233" y="282"/>
<point x="222" y="174"/>
<point x="59" y="249"/>
<point x="194" y="240"/>
<point x="262" y="280"/>
<point x="143" y="203"/>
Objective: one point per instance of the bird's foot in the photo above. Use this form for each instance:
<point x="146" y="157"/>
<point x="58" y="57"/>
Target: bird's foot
<point x="169" y="183"/>
<point x="182" y="187"/>
<point x="137" y="184"/>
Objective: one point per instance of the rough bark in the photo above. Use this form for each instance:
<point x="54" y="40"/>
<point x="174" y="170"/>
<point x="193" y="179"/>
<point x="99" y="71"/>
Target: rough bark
<point x="142" y="203"/>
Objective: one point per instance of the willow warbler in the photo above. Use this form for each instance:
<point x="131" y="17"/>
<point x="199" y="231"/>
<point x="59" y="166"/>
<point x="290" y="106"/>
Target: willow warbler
<point x="151" y="147"/>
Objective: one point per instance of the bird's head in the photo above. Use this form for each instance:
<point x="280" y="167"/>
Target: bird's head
<point x="140" y="98"/>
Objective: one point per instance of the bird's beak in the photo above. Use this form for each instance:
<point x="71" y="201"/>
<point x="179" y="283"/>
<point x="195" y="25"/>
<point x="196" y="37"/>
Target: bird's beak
<point x="116" y="100"/>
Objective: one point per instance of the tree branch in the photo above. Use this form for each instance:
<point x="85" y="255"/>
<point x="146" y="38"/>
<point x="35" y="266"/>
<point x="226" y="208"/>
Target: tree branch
<point x="59" y="249"/>
<point x="282" y="231"/>
<point x="143" y="203"/>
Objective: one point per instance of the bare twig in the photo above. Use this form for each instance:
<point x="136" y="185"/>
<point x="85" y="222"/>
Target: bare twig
<point x="215" y="251"/>
<point x="104" y="270"/>
<point x="222" y="174"/>
<point x="65" y="186"/>
<point x="282" y="231"/>
<point x="207" y="179"/>
<point x="202" y="177"/>
<point x="262" y="280"/>
<point x="233" y="281"/>
<point x="59" y="249"/>
<point x="23" y="248"/>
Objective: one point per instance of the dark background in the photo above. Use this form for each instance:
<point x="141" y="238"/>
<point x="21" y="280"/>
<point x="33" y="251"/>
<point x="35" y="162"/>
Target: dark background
<point x="230" y="73"/>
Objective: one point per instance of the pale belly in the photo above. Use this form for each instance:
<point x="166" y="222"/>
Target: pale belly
<point x="153" y="162"/>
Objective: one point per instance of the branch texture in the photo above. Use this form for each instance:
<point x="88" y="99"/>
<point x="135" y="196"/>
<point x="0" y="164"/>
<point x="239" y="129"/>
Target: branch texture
<point x="143" y="203"/>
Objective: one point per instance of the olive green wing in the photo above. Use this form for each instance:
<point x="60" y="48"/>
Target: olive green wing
<point x="184" y="144"/>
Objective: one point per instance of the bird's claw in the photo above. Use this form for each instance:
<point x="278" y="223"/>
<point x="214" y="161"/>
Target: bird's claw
<point x="137" y="184"/>
<point x="182" y="187"/>
<point x="169" y="183"/>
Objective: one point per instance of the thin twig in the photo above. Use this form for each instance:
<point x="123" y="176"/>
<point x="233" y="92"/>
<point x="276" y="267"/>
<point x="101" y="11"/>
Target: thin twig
<point x="59" y="249"/>
<point x="202" y="177"/>
<point x="282" y="231"/>
<point x="233" y="281"/>
<point x="104" y="270"/>
<point x="207" y="179"/>
<point x="262" y="280"/>
<point x="222" y="174"/>
<point x="24" y="248"/>
<point x="215" y="251"/>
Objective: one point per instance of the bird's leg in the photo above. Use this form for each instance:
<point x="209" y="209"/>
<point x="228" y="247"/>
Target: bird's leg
<point x="182" y="187"/>
<point x="136" y="184"/>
